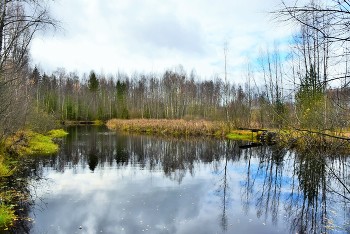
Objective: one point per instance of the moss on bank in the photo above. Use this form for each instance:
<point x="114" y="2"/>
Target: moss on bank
<point x="27" y="143"/>
<point x="22" y="144"/>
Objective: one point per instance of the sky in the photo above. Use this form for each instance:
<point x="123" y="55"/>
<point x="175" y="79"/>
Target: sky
<point x="130" y="36"/>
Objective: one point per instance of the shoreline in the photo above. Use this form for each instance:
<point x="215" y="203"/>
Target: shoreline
<point x="22" y="144"/>
<point x="182" y="128"/>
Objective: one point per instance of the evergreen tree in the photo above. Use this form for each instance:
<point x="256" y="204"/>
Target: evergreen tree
<point x="35" y="76"/>
<point x="122" y="111"/>
<point x="310" y="101"/>
<point x="93" y="82"/>
<point x="93" y="86"/>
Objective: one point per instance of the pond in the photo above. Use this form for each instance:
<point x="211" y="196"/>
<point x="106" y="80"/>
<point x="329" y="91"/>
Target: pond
<point x="107" y="182"/>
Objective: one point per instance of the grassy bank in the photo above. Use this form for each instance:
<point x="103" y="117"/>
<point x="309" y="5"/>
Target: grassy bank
<point x="21" y="144"/>
<point x="180" y="127"/>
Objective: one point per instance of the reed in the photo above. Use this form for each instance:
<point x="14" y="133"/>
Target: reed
<point x="174" y="127"/>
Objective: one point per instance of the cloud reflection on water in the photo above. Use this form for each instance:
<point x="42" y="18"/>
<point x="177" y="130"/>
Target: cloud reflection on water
<point x="144" y="184"/>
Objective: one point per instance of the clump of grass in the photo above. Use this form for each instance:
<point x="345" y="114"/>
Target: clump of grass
<point x="7" y="216"/>
<point x="57" y="133"/>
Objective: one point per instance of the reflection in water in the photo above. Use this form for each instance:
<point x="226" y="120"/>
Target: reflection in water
<point x="143" y="183"/>
<point x="225" y="194"/>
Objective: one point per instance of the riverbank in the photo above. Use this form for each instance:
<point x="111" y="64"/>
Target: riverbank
<point x="13" y="149"/>
<point x="180" y="127"/>
<point x="288" y="138"/>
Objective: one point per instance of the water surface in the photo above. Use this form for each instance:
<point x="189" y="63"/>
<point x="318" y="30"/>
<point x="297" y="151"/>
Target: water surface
<point x="107" y="182"/>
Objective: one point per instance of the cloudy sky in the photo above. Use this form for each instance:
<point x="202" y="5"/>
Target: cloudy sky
<point x="151" y="35"/>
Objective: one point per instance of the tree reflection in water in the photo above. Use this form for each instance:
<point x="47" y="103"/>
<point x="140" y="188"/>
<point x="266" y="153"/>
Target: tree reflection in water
<point x="317" y="187"/>
<point x="308" y="190"/>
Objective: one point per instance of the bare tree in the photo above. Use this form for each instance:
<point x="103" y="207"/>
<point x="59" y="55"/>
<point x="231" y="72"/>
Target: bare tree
<point x="19" y="21"/>
<point x="321" y="60"/>
<point x="336" y="11"/>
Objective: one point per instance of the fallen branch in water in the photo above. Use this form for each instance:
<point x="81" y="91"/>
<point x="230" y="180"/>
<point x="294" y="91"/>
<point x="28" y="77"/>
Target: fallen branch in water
<point x="322" y="134"/>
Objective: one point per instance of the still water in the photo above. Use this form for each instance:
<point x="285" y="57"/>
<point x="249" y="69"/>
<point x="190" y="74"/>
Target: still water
<point x="107" y="182"/>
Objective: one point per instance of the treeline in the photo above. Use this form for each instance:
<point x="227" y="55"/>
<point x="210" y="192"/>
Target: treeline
<point x="171" y="95"/>
<point x="176" y="94"/>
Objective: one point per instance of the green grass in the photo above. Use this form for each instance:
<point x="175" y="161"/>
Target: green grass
<point x="7" y="216"/>
<point x="241" y="135"/>
<point x="57" y="133"/>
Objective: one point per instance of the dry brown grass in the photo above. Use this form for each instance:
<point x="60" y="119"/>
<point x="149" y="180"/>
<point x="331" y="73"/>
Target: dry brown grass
<point x="175" y="127"/>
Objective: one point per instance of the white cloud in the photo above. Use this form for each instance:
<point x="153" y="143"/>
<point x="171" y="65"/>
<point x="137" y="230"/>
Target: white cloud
<point x="150" y="35"/>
